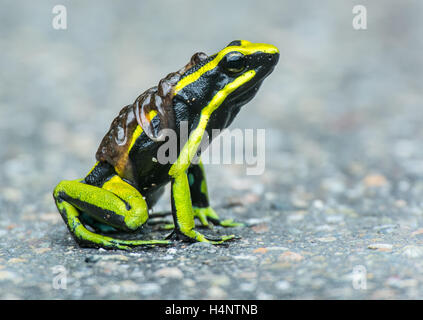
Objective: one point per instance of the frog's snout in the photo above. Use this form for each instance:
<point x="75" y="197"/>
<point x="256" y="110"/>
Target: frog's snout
<point x="272" y="54"/>
<point x="272" y="49"/>
<point x="273" y="58"/>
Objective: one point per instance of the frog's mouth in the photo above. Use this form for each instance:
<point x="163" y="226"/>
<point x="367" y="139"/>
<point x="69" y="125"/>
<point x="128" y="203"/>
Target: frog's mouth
<point x="243" y="97"/>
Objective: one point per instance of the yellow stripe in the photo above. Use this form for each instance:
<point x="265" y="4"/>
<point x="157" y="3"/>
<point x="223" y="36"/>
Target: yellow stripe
<point x="92" y="169"/>
<point x="194" y="140"/>
<point x="246" y="48"/>
<point x="135" y="136"/>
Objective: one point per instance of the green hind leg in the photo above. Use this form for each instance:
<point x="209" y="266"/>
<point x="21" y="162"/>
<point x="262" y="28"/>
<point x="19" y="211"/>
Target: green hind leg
<point x="116" y="203"/>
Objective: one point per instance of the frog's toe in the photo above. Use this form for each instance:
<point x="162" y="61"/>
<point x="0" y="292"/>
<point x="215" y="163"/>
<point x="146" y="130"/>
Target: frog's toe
<point x="148" y="243"/>
<point x="195" y="236"/>
<point x="229" y="223"/>
<point x="209" y="214"/>
<point x="203" y="214"/>
<point x="113" y="245"/>
<point x="128" y="245"/>
<point x="222" y="239"/>
<point x="167" y="226"/>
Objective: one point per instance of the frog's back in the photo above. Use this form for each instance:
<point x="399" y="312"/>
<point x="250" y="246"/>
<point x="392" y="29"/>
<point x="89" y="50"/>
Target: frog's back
<point x="131" y="143"/>
<point x="116" y="141"/>
<point x="117" y="144"/>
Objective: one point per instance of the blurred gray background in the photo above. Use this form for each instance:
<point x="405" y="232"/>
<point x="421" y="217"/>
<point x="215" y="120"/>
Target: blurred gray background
<point x="343" y="185"/>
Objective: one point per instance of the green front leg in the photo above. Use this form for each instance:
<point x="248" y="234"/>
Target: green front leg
<point x="183" y="212"/>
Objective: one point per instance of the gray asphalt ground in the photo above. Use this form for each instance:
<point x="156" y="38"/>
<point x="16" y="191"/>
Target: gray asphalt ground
<point x="338" y="212"/>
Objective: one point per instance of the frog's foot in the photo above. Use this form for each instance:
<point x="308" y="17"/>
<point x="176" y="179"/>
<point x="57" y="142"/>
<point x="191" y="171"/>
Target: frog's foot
<point x="208" y="214"/>
<point x="195" y="236"/>
<point x="203" y="214"/>
<point x="86" y="238"/>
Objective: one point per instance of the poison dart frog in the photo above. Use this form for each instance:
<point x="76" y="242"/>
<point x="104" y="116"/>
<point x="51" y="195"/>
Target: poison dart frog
<point x="127" y="179"/>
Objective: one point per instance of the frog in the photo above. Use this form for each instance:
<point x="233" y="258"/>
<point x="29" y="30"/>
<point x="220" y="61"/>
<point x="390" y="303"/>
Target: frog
<point x="127" y="180"/>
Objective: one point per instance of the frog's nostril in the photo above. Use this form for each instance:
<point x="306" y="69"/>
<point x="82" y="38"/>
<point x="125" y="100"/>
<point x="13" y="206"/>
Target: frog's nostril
<point x="273" y="58"/>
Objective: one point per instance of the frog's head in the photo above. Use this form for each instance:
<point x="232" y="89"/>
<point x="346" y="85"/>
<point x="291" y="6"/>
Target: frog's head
<point x="226" y="80"/>
<point x="229" y="78"/>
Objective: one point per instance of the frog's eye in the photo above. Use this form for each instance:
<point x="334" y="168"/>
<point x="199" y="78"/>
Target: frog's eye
<point x="234" y="62"/>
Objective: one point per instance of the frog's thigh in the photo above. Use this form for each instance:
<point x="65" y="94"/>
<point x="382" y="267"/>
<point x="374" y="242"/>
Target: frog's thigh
<point x="116" y="203"/>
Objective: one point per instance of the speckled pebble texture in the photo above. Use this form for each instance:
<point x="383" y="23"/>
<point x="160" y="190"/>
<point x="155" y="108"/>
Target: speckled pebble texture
<point x="338" y="211"/>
